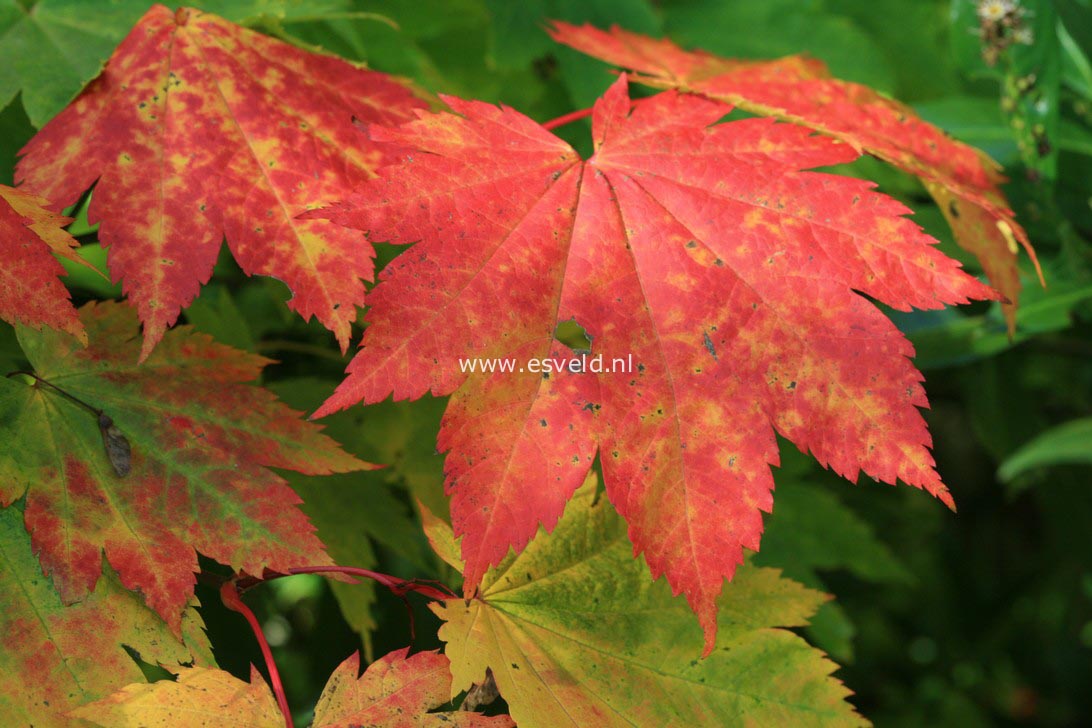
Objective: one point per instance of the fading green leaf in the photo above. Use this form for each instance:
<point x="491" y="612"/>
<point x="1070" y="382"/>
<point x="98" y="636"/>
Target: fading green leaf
<point x="576" y="634"/>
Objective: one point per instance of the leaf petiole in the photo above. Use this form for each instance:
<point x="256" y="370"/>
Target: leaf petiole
<point x="567" y="118"/>
<point x="229" y="594"/>
<point x="71" y="397"/>
<point x="118" y="450"/>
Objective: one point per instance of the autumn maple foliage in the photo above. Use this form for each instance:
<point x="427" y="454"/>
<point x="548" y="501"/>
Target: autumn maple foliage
<point x="32" y="292"/>
<point x="964" y="181"/>
<point x="744" y="288"/>
<point x="732" y="277"/>
<point x="199" y="130"/>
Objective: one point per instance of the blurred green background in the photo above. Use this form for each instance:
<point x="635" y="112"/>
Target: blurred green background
<point x="980" y="618"/>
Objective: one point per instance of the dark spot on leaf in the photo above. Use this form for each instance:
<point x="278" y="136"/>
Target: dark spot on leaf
<point x="117" y="446"/>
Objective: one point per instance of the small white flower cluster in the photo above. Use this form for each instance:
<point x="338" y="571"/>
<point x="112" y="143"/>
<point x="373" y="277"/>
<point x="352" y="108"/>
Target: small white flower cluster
<point x="1001" y="26"/>
<point x="994" y="11"/>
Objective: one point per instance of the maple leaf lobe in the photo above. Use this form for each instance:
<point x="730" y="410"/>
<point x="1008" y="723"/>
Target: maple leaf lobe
<point x="801" y="90"/>
<point x="30" y="292"/>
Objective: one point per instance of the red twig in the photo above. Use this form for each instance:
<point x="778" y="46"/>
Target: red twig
<point x="231" y="599"/>
<point x="567" y="118"/>
<point x="400" y="587"/>
<point x="229" y="593"/>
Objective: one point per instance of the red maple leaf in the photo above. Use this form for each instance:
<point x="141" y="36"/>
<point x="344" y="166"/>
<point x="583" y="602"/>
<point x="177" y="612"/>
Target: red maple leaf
<point x="964" y="182"/>
<point x="198" y="130"/>
<point x="732" y="278"/>
<point x="31" y="292"/>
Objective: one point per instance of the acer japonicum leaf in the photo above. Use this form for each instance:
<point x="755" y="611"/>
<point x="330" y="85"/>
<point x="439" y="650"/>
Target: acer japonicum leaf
<point x="395" y="690"/>
<point x="201" y="697"/>
<point x="31" y="292"/>
<point x="202" y="440"/>
<point x="398" y="689"/>
<point x="116" y="445"/>
<point x="732" y="278"/>
<point x="964" y="182"/>
<point x="56" y="658"/>
<point x="198" y="130"/>
<point x="575" y="634"/>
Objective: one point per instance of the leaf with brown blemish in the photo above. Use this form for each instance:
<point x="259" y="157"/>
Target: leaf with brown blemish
<point x="197" y="476"/>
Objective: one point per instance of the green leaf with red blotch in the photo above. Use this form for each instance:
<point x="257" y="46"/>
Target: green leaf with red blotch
<point x="700" y="257"/>
<point x="202" y="440"/>
<point x="198" y="130"/>
<point x="56" y="658"/>
<point x="963" y="180"/>
<point x="395" y="690"/>
<point x="576" y="635"/>
<point x="30" y="290"/>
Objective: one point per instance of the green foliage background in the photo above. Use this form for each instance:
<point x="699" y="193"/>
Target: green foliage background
<point x="979" y="618"/>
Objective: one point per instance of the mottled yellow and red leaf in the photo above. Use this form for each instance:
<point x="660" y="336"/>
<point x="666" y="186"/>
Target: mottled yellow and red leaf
<point x="198" y="130"/>
<point x="203" y="440"/>
<point x="201" y="697"/>
<point x="395" y="691"/>
<point x="696" y="253"/>
<point x="31" y="293"/>
<point x="964" y="182"/>
<point x="398" y="689"/>
<point x="56" y="658"/>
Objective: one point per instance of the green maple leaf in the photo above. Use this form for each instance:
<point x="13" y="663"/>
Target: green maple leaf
<point x="576" y="634"/>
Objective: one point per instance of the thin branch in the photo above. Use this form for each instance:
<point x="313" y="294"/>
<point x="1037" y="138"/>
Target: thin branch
<point x="400" y="587"/>
<point x="233" y="601"/>
<point x="567" y="118"/>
